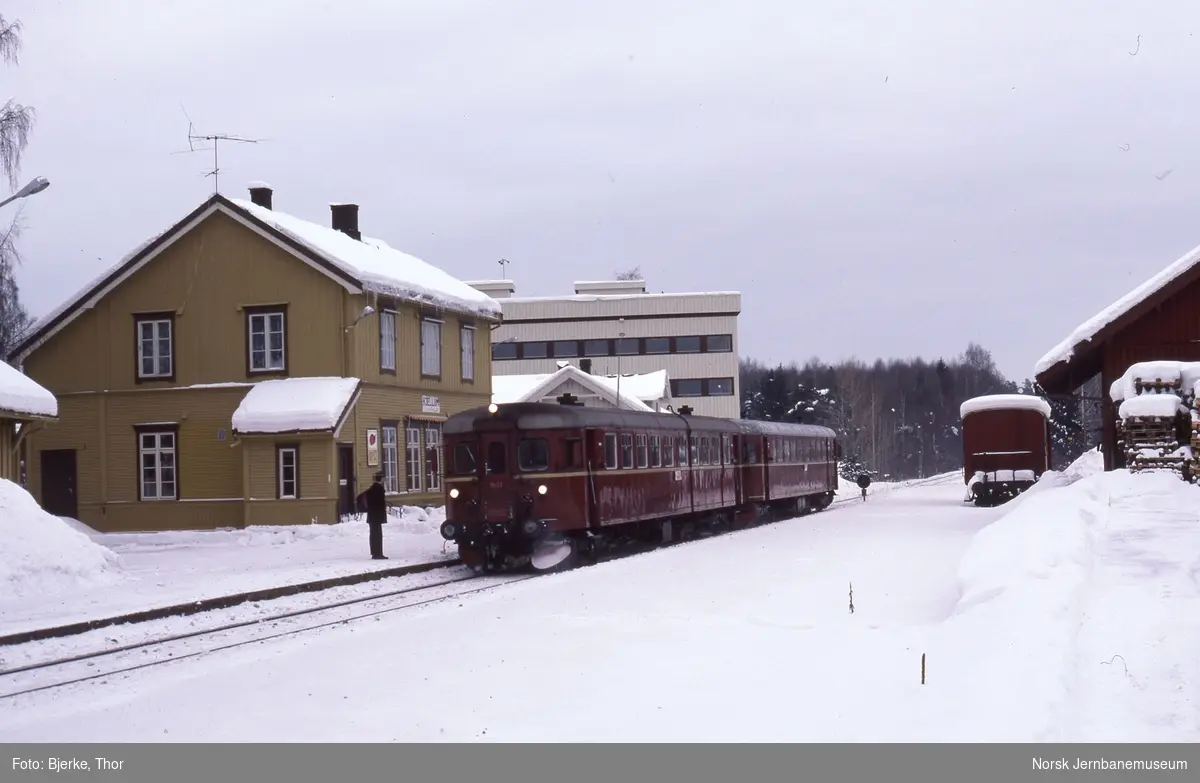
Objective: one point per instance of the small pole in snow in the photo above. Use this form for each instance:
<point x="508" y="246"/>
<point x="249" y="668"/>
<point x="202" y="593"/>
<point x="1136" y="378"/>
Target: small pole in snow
<point x="922" y="668"/>
<point x="851" y="598"/>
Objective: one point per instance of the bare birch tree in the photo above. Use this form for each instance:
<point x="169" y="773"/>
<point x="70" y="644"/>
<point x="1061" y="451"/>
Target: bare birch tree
<point x="16" y="123"/>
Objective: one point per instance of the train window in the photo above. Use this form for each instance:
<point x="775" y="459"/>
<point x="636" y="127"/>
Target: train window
<point x="655" y="453"/>
<point x="681" y="449"/>
<point x="643" y="455"/>
<point x="533" y="454"/>
<point x="574" y="453"/>
<point x="751" y="451"/>
<point x="728" y="441"/>
<point x="626" y="450"/>
<point x="704" y="451"/>
<point x="668" y="451"/>
<point x="610" y="450"/>
<point x="495" y="457"/>
<point x="464" y="459"/>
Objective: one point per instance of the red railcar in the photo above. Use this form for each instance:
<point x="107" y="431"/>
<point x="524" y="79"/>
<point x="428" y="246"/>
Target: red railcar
<point x="1006" y="445"/>
<point x="539" y="483"/>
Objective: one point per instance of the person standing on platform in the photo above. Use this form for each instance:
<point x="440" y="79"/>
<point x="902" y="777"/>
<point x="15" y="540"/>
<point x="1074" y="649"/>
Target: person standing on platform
<point x="375" y="500"/>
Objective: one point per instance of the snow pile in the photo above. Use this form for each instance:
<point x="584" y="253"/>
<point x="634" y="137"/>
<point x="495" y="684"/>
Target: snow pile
<point x="1161" y="405"/>
<point x="42" y="555"/>
<point x="1001" y="402"/>
<point x="1090" y="328"/>
<point x="380" y="268"/>
<point x="21" y="394"/>
<point x="294" y="405"/>
<point x="1183" y="375"/>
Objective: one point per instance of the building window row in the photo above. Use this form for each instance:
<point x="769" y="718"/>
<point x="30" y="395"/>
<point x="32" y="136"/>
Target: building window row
<point x="623" y="346"/>
<point x="422" y="447"/>
<point x="267" y="338"/>
<point x="702" y="387"/>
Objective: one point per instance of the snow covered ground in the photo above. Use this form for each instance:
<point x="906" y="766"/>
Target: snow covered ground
<point x="118" y="573"/>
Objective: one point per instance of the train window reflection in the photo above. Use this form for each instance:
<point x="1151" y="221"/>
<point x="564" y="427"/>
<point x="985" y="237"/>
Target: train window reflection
<point x="464" y="459"/>
<point x="533" y="455"/>
<point x="495" y="457"/>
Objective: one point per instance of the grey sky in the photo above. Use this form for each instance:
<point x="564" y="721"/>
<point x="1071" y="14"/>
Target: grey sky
<point x="884" y="179"/>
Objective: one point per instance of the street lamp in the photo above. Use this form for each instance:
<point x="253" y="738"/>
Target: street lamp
<point x="620" y="335"/>
<point x="35" y="185"/>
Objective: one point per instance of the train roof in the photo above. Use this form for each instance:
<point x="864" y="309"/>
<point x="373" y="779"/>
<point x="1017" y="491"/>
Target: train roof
<point x="549" y="416"/>
<point x="1005" y="402"/>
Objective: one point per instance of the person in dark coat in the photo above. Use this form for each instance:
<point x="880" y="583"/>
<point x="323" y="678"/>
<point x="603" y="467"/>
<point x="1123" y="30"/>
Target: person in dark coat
<point x="375" y="500"/>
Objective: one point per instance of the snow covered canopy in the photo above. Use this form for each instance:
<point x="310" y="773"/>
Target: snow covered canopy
<point x="369" y="265"/>
<point x="638" y="392"/>
<point x="1110" y="317"/>
<point x="295" y="405"/>
<point x="1004" y="402"/>
<point x="21" y="397"/>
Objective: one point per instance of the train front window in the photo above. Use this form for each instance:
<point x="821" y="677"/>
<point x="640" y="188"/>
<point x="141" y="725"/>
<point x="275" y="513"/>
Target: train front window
<point x="495" y="457"/>
<point x="464" y="459"/>
<point x="533" y="454"/>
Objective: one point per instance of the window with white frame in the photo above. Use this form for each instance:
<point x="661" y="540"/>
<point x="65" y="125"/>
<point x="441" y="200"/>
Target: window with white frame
<point x="387" y="340"/>
<point x="157" y="453"/>
<point x="655" y="458"/>
<point x="412" y="456"/>
<point x="266" y="341"/>
<point x="390" y="457"/>
<point x="433" y="452"/>
<point x="289" y="472"/>
<point x="610" y="450"/>
<point x="626" y="450"/>
<point x="643" y="456"/>
<point x="155" y="357"/>
<point x="466" y="336"/>
<point x="431" y="347"/>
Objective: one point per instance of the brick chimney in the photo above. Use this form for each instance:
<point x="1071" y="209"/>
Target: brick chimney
<point x="260" y="194"/>
<point x="345" y="219"/>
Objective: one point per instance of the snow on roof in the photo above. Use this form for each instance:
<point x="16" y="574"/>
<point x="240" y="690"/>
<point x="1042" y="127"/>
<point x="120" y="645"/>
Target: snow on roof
<point x="1090" y="328"/>
<point x="533" y="388"/>
<point x="614" y="297"/>
<point x="294" y="405"/>
<point x="647" y="387"/>
<point x="1183" y="373"/>
<point x="1164" y="405"/>
<point x="1001" y="402"/>
<point x="381" y="268"/>
<point x="20" y="394"/>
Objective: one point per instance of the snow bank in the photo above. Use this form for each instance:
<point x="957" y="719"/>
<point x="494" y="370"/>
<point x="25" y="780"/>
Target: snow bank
<point x="294" y="404"/>
<point x="1090" y="328"/>
<point x="43" y="555"/>
<point x="1165" y="405"/>
<point x="381" y="268"/>
<point x="997" y="402"/>
<point x="21" y="394"/>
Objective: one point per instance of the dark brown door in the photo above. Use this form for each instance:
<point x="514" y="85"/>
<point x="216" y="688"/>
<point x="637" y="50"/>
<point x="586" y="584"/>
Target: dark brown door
<point x="58" y="483"/>
<point x="345" y="478"/>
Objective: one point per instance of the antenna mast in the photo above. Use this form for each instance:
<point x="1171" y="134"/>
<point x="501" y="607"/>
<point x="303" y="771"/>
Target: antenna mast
<point x="196" y="138"/>
<point x="502" y="263"/>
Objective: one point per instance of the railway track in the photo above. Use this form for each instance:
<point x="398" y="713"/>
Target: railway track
<point x="75" y="669"/>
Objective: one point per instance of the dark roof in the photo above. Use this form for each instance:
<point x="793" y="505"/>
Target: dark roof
<point x="549" y="415"/>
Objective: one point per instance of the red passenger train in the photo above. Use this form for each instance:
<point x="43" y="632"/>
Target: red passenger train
<point x="542" y="484"/>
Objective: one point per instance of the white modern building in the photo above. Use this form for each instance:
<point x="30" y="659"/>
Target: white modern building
<point x="615" y="327"/>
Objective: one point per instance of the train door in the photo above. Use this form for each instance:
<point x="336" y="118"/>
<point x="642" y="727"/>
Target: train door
<point x="596" y="457"/>
<point x="496" y="458"/>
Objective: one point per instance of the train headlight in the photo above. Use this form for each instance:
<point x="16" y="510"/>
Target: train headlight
<point x="492" y="408"/>
<point x="542" y="489"/>
<point x="454" y="492"/>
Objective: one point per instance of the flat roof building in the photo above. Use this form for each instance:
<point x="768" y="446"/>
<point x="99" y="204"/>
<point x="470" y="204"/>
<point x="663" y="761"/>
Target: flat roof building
<point x="615" y="327"/>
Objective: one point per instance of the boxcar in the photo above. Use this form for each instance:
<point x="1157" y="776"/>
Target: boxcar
<point x="1006" y="445"/>
<point x="540" y="484"/>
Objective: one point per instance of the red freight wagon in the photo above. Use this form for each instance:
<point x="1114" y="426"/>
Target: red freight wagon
<point x="1006" y="445"/>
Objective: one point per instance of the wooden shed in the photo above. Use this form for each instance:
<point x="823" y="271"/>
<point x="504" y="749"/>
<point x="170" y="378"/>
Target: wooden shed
<point x="24" y="405"/>
<point x="1159" y="320"/>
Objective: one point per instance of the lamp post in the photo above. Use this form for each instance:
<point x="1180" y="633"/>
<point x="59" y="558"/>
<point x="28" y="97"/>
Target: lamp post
<point x="35" y="185"/>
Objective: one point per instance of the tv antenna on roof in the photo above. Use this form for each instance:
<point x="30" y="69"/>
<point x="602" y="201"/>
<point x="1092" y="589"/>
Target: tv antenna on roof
<point x="197" y="139"/>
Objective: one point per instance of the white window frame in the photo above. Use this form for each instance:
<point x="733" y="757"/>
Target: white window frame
<point x="156" y="324"/>
<point x="282" y="468"/>
<point x="158" y="451"/>
<point x="612" y="453"/>
<point x="260" y="323"/>
<point x="431" y="347"/>
<point x="643" y="453"/>
<point x="466" y="338"/>
<point x="414" y="462"/>
<point x="432" y="433"/>
<point x="387" y="340"/>
<point x="389" y="457"/>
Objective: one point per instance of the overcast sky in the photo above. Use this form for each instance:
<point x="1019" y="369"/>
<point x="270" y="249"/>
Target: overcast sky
<point x="881" y="180"/>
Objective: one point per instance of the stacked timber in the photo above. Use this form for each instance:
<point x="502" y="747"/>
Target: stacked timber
<point x="1158" y="426"/>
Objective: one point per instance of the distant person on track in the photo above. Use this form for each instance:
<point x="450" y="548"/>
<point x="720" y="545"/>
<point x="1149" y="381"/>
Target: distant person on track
<point x="375" y="500"/>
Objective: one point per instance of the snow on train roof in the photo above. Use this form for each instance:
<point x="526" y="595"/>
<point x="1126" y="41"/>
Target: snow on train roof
<point x="1004" y="402"/>
<point x="784" y="429"/>
<point x="549" y="415"/>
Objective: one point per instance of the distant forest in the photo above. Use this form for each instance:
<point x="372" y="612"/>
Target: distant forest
<point x="899" y="419"/>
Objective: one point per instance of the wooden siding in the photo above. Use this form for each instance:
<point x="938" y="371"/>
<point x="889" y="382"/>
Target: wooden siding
<point x="10" y="461"/>
<point x="317" y="503"/>
<point x="78" y="428"/>
<point x="206" y="279"/>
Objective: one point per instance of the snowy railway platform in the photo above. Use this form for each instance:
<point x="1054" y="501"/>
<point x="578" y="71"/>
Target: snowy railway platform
<point x="59" y="574"/>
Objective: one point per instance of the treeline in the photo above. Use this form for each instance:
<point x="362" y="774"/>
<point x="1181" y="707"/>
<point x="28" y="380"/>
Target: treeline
<point x="899" y="419"/>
